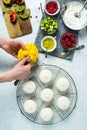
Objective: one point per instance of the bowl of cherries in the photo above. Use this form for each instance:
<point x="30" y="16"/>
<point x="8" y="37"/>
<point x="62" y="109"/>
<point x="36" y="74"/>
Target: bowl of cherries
<point x="68" y="40"/>
<point x="52" y="7"/>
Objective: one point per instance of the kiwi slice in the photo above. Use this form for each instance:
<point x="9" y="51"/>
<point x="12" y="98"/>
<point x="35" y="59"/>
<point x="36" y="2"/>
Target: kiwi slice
<point x="20" y="8"/>
<point x="25" y="16"/>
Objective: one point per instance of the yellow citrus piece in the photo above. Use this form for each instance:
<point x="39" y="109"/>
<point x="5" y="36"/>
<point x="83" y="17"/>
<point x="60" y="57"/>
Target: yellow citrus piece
<point x="30" y="50"/>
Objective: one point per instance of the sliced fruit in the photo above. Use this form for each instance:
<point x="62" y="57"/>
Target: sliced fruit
<point x="31" y="50"/>
<point x="7" y="2"/>
<point x="18" y="1"/>
<point x="49" y="25"/>
<point x="25" y="16"/>
<point x="4" y="10"/>
<point x="20" y="8"/>
<point x="13" y="16"/>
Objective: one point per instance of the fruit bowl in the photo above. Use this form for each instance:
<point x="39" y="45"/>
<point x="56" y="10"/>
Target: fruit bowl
<point x="49" y="25"/>
<point x="68" y="40"/>
<point x="48" y="43"/>
<point x="52" y="7"/>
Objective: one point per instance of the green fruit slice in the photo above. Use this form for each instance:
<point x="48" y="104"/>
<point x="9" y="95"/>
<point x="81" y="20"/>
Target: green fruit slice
<point x="20" y="8"/>
<point x="25" y="16"/>
<point x="4" y="10"/>
<point x="49" y="25"/>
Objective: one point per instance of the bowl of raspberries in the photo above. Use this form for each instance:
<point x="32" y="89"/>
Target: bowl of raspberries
<point x="68" y="40"/>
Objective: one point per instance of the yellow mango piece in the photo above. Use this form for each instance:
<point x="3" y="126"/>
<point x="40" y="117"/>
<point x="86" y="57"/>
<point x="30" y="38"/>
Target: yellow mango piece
<point x="31" y="50"/>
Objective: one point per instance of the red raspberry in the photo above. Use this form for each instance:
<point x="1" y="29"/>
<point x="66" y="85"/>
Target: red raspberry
<point x="74" y="41"/>
<point x="65" y="45"/>
<point x="71" y="46"/>
<point x="70" y="35"/>
<point x="64" y="35"/>
<point x="67" y="39"/>
<point x="63" y="38"/>
<point x="69" y="42"/>
<point x="62" y="41"/>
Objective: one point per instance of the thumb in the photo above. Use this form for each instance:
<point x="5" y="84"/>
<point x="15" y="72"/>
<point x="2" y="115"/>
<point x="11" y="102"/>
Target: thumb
<point x="25" y="61"/>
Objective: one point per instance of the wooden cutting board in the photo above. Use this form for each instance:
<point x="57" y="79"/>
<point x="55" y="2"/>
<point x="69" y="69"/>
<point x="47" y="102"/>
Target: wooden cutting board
<point x="20" y="28"/>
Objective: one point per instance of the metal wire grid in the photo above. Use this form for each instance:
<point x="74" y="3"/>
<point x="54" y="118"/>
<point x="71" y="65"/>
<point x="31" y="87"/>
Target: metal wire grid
<point x="59" y="115"/>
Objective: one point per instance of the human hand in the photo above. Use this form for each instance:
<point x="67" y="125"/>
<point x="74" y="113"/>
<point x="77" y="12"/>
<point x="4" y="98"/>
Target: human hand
<point x="21" y="70"/>
<point x="12" y="46"/>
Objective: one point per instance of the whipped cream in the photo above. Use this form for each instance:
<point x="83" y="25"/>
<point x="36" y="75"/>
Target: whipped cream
<point x="69" y="18"/>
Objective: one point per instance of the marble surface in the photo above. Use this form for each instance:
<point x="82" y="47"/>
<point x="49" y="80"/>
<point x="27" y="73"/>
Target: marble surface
<point x="10" y="115"/>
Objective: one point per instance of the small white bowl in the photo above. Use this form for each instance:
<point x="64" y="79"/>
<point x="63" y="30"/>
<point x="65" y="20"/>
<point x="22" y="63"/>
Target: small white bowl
<point x="58" y="4"/>
<point x="47" y="49"/>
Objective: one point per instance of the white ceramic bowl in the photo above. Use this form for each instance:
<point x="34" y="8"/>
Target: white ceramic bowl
<point x="49" y="25"/>
<point x="49" y="44"/>
<point x="58" y="4"/>
<point x="69" y="18"/>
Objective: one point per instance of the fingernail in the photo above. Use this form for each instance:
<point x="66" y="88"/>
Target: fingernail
<point x="28" y="60"/>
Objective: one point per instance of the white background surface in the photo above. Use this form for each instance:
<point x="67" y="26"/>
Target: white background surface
<point x="10" y="115"/>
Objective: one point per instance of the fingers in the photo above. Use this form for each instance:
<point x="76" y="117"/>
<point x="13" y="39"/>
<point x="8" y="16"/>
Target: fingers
<point x="21" y="44"/>
<point x="25" y="61"/>
<point x="18" y="45"/>
<point x="14" y="54"/>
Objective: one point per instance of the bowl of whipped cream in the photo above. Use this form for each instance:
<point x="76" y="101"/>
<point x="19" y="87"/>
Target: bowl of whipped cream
<point x="70" y="19"/>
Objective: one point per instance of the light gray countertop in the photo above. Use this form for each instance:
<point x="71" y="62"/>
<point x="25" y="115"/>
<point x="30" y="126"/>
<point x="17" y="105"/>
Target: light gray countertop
<point x="10" y="116"/>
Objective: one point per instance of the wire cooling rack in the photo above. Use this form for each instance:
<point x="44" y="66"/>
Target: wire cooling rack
<point x="58" y="115"/>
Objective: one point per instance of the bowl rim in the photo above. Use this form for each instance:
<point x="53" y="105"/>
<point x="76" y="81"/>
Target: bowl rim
<point x="67" y="23"/>
<point x="51" y="33"/>
<point x="55" y="43"/>
<point x="48" y="1"/>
